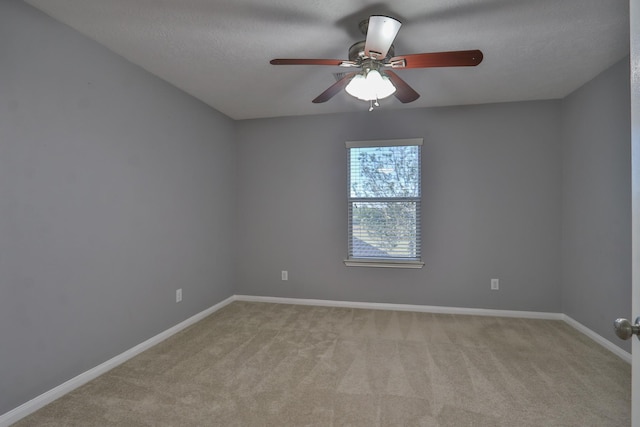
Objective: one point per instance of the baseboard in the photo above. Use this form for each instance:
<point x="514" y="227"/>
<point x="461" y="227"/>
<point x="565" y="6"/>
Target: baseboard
<point x="44" y="399"/>
<point x="626" y="356"/>
<point x="449" y="310"/>
<point x="406" y="307"/>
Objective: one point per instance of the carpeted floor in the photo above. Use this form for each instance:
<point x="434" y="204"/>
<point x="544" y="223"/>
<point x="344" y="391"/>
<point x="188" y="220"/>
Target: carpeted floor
<point x="258" y="364"/>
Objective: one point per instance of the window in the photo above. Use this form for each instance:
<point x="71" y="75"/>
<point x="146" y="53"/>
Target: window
<point x="384" y="199"/>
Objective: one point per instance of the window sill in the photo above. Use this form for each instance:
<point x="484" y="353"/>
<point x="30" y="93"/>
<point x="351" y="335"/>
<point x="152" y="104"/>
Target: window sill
<point x="384" y="263"/>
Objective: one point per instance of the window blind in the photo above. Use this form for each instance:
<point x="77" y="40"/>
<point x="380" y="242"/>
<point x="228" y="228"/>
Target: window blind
<point x="384" y="199"/>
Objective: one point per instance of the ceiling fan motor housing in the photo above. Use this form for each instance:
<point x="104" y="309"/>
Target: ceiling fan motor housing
<point x="356" y="52"/>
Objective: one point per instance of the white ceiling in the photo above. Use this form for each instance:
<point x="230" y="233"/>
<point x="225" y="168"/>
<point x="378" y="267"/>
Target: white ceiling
<point x="219" y="50"/>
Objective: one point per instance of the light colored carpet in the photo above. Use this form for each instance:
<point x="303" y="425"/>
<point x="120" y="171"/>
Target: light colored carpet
<point x="258" y="364"/>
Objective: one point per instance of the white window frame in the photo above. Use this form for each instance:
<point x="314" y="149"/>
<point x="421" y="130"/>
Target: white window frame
<point x="388" y="262"/>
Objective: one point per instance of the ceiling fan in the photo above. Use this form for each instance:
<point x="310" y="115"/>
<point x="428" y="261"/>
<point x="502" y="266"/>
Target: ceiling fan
<point x="375" y="59"/>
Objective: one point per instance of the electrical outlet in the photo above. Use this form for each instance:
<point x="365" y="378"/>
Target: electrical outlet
<point x="285" y="275"/>
<point x="178" y="295"/>
<point x="495" y="284"/>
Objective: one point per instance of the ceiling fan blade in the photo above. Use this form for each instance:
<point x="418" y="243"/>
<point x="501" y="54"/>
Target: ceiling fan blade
<point x="307" y="61"/>
<point x="381" y="32"/>
<point x="334" y="89"/>
<point x="404" y="92"/>
<point x="459" y="58"/>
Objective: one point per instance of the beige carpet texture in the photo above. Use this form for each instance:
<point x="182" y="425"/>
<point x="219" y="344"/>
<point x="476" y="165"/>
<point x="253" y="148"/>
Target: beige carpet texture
<point x="260" y="364"/>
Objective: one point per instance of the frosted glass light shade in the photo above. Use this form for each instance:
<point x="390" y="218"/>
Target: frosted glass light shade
<point x="370" y="88"/>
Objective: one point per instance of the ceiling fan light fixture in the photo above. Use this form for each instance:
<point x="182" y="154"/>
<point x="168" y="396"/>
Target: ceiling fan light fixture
<point x="370" y="87"/>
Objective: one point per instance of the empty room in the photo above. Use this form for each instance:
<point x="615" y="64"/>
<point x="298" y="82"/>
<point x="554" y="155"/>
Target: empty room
<point x="246" y="213"/>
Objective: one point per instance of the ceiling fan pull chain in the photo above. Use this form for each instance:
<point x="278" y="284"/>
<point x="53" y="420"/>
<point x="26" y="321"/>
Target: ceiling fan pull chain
<point x="371" y="105"/>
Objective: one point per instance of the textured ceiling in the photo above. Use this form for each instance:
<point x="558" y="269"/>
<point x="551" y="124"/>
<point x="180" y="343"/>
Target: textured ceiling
<point x="219" y="50"/>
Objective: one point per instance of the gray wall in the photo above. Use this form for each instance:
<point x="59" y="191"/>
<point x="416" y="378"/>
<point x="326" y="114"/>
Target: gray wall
<point x="115" y="189"/>
<point x="596" y="209"/>
<point x="491" y="207"/>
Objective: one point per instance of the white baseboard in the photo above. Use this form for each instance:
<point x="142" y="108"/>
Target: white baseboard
<point x="44" y="399"/>
<point x="598" y="338"/>
<point x="406" y="307"/>
<point x="450" y="310"/>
